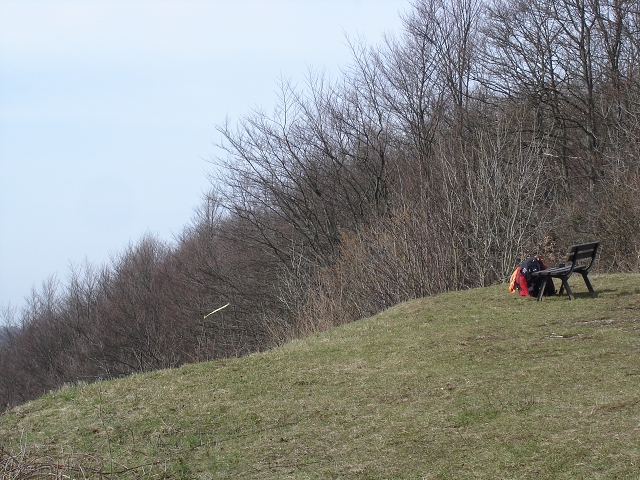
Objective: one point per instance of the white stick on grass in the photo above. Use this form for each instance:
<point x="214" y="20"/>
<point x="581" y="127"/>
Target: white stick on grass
<point x="216" y="310"/>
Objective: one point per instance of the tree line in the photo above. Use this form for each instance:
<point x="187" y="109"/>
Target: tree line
<point x="482" y="132"/>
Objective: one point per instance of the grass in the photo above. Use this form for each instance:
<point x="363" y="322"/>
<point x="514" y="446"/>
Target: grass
<point x="472" y="384"/>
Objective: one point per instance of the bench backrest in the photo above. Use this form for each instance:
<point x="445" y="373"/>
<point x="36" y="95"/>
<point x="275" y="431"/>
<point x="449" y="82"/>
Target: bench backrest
<point x="582" y="251"/>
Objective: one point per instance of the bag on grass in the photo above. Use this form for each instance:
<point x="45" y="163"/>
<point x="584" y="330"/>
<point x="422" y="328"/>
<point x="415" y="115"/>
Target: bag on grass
<point x="526" y="284"/>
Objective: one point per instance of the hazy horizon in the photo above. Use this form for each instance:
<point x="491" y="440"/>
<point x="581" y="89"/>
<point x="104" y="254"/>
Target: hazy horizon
<point x="108" y="112"/>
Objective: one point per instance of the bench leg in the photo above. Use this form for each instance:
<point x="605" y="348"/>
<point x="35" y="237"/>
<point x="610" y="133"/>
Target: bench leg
<point x="565" y="284"/>
<point x="588" y="283"/>
<point x="541" y="289"/>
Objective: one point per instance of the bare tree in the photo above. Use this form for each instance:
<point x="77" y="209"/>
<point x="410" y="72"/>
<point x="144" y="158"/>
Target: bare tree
<point x="497" y="197"/>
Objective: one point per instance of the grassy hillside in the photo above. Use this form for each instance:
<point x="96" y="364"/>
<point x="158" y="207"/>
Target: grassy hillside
<point x="473" y="384"/>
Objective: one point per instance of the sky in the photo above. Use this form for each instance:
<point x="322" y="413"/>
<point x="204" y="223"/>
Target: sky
<point x="108" y="112"/>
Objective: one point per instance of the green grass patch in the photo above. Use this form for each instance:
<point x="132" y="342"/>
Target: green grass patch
<point x="472" y="384"/>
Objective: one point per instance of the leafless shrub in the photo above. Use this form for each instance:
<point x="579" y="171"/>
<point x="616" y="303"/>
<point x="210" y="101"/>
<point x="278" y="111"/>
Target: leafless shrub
<point x="39" y="462"/>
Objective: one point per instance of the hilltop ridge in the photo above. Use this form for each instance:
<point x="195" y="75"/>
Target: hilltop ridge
<point x="471" y="384"/>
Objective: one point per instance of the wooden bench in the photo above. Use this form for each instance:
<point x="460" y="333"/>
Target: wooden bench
<point x="579" y="260"/>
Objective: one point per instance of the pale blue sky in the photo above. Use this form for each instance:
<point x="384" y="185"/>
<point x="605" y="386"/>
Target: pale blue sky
<point x="108" y="111"/>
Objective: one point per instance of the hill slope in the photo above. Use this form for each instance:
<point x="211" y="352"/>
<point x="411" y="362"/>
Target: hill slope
<point x="474" y="384"/>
